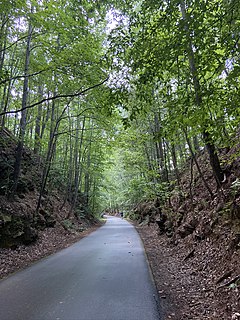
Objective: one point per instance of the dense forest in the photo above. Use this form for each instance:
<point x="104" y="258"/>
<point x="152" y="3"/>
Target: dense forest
<point x="116" y="106"/>
<point x="140" y="87"/>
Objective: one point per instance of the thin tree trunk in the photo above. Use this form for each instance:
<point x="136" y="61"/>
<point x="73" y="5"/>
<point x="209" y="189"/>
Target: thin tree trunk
<point x="68" y="192"/>
<point x="87" y="174"/>
<point x="159" y="146"/>
<point x="77" y="161"/>
<point x="13" y="68"/>
<point x="46" y="117"/>
<point x="38" y="125"/>
<point x="23" y="121"/>
<point x="51" y="148"/>
<point x="175" y="164"/>
<point x="197" y="164"/>
<point x="3" y="39"/>
<point x="165" y="171"/>
<point x="3" y="104"/>
<point x="149" y="164"/>
<point x="214" y="160"/>
<point x="94" y="195"/>
<point x="47" y="165"/>
<point x="87" y="180"/>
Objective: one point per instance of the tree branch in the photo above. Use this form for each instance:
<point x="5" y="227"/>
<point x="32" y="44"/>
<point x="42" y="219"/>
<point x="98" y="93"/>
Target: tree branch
<point x="56" y="97"/>
<point x="23" y="76"/>
<point x="20" y="39"/>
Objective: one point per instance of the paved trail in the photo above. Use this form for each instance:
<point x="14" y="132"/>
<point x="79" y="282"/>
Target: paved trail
<point x="104" y="276"/>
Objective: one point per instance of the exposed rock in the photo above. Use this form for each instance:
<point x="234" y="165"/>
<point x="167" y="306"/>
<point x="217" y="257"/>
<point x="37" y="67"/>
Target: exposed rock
<point x="235" y="210"/>
<point x="48" y="242"/>
<point x="48" y="219"/>
<point x="16" y="229"/>
<point x="147" y="210"/>
<point x="29" y="236"/>
<point x="161" y="223"/>
<point x="17" y="222"/>
<point x="187" y="228"/>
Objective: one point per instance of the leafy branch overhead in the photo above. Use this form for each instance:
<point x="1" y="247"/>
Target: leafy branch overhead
<point x="172" y="89"/>
<point x="59" y="96"/>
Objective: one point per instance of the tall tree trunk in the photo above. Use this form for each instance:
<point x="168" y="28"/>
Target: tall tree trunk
<point x="214" y="160"/>
<point x="38" y="125"/>
<point x="68" y="193"/>
<point x="149" y="163"/>
<point x="3" y="105"/>
<point x="3" y="39"/>
<point x="51" y="144"/>
<point x="46" y="117"/>
<point x="23" y="121"/>
<point x="77" y="163"/>
<point x="175" y="164"/>
<point x="197" y="164"/>
<point x="159" y="148"/>
<point x="87" y="174"/>
<point x="3" y="44"/>
<point x="87" y="179"/>
<point x="51" y="148"/>
<point x="165" y="153"/>
<point x="14" y="65"/>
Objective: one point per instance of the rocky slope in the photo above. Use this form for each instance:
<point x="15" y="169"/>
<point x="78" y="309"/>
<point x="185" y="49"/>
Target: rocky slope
<point x="19" y="223"/>
<point x="195" y="254"/>
<point x="50" y="240"/>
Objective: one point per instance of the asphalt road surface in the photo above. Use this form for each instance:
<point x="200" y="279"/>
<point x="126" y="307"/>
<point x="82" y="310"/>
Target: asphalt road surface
<point x="104" y="276"/>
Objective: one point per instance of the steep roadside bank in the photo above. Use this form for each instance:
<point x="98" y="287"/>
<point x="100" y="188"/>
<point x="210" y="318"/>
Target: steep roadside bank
<point x="49" y="241"/>
<point x="197" y="282"/>
<point x="194" y="246"/>
<point x="26" y="235"/>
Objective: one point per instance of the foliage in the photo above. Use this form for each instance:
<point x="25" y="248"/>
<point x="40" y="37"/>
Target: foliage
<point x="172" y="89"/>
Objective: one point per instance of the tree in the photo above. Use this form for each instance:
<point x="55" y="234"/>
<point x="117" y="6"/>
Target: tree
<point x="23" y="121"/>
<point x="63" y="61"/>
<point x="175" y="52"/>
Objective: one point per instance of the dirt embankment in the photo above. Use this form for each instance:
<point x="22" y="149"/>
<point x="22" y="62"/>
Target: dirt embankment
<point x="49" y="241"/>
<point x="195" y="254"/>
<point x="27" y="235"/>
<point x="195" y="281"/>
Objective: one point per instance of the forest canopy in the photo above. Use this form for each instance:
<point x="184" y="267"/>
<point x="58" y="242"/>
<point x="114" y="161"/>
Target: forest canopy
<point x="116" y="97"/>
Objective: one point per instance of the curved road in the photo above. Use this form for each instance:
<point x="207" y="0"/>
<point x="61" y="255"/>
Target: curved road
<point x="104" y="276"/>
